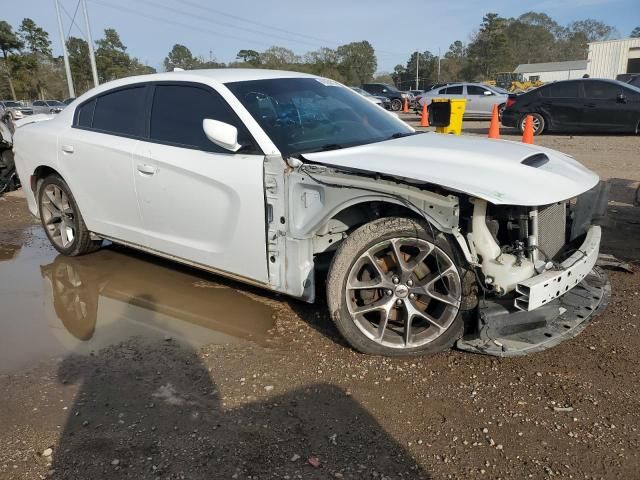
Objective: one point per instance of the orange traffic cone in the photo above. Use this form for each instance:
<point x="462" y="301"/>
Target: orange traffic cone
<point x="424" y="120"/>
<point x="405" y="109"/>
<point x="527" y="135"/>
<point x="494" y="127"/>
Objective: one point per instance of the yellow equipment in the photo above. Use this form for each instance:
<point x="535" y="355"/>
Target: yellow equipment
<point x="454" y="125"/>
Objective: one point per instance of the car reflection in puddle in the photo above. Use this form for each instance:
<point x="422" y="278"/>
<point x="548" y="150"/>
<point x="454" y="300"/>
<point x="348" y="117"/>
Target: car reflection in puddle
<point x="51" y="304"/>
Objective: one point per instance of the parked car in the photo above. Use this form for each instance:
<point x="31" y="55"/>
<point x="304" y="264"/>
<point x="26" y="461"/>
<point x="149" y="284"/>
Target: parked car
<point x="16" y="109"/>
<point x="47" y="106"/>
<point x="381" y="101"/>
<point x="480" y="98"/>
<point x="392" y="93"/>
<point x="584" y="105"/>
<point x="269" y="177"/>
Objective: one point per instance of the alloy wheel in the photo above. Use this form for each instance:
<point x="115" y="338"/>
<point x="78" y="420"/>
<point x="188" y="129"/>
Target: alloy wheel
<point x="403" y="292"/>
<point x="58" y="216"/>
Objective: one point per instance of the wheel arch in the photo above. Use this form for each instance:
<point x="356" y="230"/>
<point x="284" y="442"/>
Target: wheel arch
<point x="39" y="174"/>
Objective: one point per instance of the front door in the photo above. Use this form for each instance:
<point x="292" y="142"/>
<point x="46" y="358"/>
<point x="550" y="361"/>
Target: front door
<point x="605" y="110"/>
<point x="200" y="202"/>
<point x="480" y="101"/>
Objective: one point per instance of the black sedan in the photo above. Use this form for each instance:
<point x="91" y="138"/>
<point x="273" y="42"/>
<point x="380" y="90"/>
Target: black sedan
<point x="585" y="105"/>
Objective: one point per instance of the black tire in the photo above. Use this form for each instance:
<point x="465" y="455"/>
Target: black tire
<point x="82" y="242"/>
<point x="351" y="250"/>
<point x="396" y="105"/>
<point x="537" y="120"/>
<point x="501" y="108"/>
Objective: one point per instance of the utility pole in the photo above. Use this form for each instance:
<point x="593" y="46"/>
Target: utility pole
<point x="417" y="68"/>
<point x="439" y="64"/>
<point x="92" y="56"/>
<point x="67" y="68"/>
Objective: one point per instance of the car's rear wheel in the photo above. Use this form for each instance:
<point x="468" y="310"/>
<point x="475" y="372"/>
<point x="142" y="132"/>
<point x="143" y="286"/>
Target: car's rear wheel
<point x="396" y="104"/>
<point x="393" y="289"/>
<point x="539" y="123"/>
<point x="62" y="220"/>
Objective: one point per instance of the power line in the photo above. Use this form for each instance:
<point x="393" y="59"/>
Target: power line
<point x="73" y="20"/>
<point x="174" y="23"/>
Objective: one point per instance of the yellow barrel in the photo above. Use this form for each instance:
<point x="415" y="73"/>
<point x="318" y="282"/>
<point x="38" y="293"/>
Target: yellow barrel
<point x="458" y="106"/>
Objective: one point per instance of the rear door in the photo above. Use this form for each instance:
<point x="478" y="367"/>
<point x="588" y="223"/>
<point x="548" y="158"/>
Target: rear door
<point x="200" y="202"/>
<point x="96" y="161"/>
<point x="562" y="105"/>
<point x="605" y="110"/>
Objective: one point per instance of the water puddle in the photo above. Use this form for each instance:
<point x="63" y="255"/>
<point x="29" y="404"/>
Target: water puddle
<point x="51" y="305"/>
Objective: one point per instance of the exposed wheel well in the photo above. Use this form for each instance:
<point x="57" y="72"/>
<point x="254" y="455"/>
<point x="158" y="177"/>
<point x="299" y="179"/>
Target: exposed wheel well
<point x="41" y="173"/>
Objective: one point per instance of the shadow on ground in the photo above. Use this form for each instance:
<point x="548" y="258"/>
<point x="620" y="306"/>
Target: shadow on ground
<point x="153" y="411"/>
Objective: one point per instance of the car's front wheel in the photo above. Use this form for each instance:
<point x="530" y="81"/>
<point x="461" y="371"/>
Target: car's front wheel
<point x="396" y="104"/>
<point x="61" y="218"/>
<point x="393" y="289"/>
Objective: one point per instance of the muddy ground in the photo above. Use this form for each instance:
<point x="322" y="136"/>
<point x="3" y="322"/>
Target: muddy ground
<point x="120" y="365"/>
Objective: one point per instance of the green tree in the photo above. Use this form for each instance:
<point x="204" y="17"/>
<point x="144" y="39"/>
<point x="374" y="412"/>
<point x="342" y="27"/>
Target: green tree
<point x="635" y="33"/>
<point x="9" y="43"/>
<point x="113" y="61"/>
<point x="78" y="50"/>
<point x="278" y="57"/>
<point x="38" y="53"/>
<point x="249" y="56"/>
<point x="357" y="62"/>
<point x="180" y="57"/>
<point x="489" y="49"/>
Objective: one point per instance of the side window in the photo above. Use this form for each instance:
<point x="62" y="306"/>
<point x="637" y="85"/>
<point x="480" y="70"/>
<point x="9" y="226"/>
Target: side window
<point x="121" y="112"/>
<point x="601" y="90"/>
<point x="475" y="90"/>
<point x="442" y="91"/>
<point x="178" y="112"/>
<point x="561" y="90"/>
<point x="84" y="114"/>
<point x="456" y="90"/>
<point x="38" y="104"/>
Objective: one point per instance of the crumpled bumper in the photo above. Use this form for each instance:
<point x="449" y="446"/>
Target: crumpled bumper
<point x="546" y="287"/>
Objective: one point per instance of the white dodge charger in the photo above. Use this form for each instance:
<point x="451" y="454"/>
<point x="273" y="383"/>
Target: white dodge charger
<point x="283" y="180"/>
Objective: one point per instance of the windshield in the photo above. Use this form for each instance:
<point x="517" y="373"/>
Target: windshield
<point x="55" y="103"/>
<point x="310" y="115"/>
<point x="11" y="104"/>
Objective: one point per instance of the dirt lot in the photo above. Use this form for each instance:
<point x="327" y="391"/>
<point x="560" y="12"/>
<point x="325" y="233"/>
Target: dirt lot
<point x="120" y="365"/>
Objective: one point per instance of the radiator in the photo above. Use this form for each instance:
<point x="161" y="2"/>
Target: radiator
<point x="552" y="228"/>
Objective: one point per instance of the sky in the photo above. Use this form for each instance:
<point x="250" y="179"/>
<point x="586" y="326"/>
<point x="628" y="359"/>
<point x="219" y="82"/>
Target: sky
<point x="217" y="28"/>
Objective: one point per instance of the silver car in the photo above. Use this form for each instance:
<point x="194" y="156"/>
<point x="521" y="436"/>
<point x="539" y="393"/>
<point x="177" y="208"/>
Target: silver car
<point x="16" y="109"/>
<point x="47" y="106"/>
<point x="480" y="98"/>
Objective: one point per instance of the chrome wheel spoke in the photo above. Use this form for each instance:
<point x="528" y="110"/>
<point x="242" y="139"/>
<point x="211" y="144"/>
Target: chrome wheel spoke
<point x="384" y="304"/>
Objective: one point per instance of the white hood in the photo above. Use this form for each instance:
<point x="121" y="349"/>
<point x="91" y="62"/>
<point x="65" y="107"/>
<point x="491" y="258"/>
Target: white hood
<point x="484" y="168"/>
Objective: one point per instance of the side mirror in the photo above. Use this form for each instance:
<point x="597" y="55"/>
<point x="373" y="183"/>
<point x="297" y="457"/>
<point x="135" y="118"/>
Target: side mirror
<point x="487" y="93"/>
<point x="222" y="134"/>
<point x="620" y="98"/>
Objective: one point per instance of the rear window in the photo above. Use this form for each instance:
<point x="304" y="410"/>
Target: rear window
<point x="84" y="114"/>
<point x="457" y="90"/>
<point x="121" y="112"/>
<point x="561" y="90"/>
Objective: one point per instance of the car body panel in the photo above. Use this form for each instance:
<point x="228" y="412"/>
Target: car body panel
<point x="204" y="207"/>
<point x="485" y="168"/>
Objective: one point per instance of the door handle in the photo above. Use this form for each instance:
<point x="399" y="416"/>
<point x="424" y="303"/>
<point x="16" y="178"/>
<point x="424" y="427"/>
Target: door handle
<point x="67" y="148"/>
<point x="147" y="169"/>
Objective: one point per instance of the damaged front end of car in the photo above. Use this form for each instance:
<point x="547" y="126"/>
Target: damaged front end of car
<point x="529" y="280"/>
<point x="538" y="277"/>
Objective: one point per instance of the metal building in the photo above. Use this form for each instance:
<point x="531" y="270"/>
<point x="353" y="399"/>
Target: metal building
<point x="552" y="71"/>
<point x="610" y="58"/>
